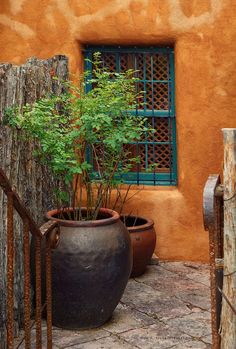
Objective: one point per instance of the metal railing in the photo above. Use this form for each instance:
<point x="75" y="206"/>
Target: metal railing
<point x="48" y="231"/>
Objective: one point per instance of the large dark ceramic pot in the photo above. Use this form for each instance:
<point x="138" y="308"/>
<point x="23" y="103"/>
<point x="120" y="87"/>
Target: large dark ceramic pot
<point x="143" y="239"/>
<point x="90" y="269"/>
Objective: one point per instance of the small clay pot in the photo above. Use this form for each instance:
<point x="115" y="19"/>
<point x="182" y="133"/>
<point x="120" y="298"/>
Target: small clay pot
<point x="143" y="240"/>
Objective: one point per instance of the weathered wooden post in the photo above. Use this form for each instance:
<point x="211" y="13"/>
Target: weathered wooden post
<point x="228" y="315"/>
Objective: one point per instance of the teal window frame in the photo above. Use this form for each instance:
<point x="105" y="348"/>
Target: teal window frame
<point x="155" y="177"/>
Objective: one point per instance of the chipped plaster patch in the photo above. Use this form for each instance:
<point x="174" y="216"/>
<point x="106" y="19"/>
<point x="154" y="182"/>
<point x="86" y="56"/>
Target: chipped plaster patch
<point x="159" y="21"/>
<point x="201" y="35"/>
<point x="50" y="16"/>
<point x="79" y="22"/>
<point x="68" y="13"/>
<point x="16" y="6"/>
<point x="22" y="29"/>
<point x="178" y="20"/>
<point x="220" y="91"/>
<point x="143" y="13"/>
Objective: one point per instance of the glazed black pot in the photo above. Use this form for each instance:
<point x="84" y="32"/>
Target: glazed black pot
<point x="143" y="240"/>
<point x="90" y="269"/>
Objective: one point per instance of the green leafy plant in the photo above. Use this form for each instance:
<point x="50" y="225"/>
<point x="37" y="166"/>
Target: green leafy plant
<point x="83" y="137"/>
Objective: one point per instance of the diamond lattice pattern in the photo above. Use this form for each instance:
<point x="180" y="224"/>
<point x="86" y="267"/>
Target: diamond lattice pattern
<point x="153" y="156"/>
<point x="152" y="69"/>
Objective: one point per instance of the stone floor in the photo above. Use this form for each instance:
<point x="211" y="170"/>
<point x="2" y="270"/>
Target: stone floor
<point x="167" y="307"/>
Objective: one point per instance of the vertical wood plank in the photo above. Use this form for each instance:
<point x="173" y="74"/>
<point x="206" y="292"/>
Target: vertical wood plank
<point x="228" y="318"/>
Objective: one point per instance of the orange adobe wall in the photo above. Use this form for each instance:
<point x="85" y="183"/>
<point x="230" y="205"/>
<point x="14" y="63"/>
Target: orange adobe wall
<point x="203" y="33"/>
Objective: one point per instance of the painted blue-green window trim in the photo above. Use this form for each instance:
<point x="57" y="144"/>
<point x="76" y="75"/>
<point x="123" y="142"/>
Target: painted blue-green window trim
<point x="158" y="177"/>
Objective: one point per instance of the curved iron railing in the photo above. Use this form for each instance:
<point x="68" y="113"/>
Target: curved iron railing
<point x="48" y="231"/>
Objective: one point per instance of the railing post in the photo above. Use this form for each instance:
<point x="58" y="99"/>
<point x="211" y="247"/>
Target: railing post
<point x="10" y="273"/>
<point x="38" y="291"/>
<point x="27" y="305"/>
<point x="228" y="318"/>
<point x="49" y="291"/>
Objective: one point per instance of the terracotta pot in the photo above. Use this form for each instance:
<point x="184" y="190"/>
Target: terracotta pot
<point x="143" y="239"/>
<point x="90" y="269"/>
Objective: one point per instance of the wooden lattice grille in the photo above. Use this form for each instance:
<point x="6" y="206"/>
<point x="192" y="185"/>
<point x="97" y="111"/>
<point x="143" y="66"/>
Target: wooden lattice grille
<point x="154" y="68"/>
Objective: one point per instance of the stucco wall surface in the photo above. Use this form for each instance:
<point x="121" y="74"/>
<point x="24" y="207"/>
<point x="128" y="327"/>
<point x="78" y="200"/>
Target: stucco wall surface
<point x="203" y="33"/>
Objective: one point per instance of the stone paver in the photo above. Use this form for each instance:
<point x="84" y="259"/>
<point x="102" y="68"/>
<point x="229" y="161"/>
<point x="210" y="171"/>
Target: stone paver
<point x="194" y="324"/>
<point x="65" y="339"/>
<point x="167" y="307"/>
<point x="159" y="305"/>
<point x="111" y="342"/>
<point x="125" y="319"/>
<point x="155" y="336"/>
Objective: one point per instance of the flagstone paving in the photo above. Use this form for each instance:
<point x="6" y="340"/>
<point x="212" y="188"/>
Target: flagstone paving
<point x="167" y="307"/>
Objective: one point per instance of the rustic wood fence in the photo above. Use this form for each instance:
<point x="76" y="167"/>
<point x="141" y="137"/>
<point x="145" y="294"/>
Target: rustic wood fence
<point x="20" y="85"/>
<point x="219" y="204"/>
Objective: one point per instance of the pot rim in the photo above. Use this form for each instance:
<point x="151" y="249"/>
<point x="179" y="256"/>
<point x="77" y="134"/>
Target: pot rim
<point x="149" y="223"/>
<point x="114" y="217"/>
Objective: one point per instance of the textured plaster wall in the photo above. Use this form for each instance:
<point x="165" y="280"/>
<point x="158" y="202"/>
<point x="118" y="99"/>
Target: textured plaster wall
<point x="203" y="33"/>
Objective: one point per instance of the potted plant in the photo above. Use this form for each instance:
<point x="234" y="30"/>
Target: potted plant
<point x="81" y="137"/>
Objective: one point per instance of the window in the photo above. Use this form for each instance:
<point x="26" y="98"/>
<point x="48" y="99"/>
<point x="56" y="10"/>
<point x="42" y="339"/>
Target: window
<point x="155" y="70"/>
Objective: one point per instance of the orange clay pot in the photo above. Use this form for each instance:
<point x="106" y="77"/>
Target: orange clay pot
<point x="143" y="240"/>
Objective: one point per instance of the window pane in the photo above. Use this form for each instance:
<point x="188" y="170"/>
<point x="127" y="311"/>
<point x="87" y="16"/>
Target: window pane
<point x="157" y="66"/>
<point x="157" y="148"/>
<point x="157" y="96"/>
<point x="161" y="129"/>
<point x="109" y="61"/>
